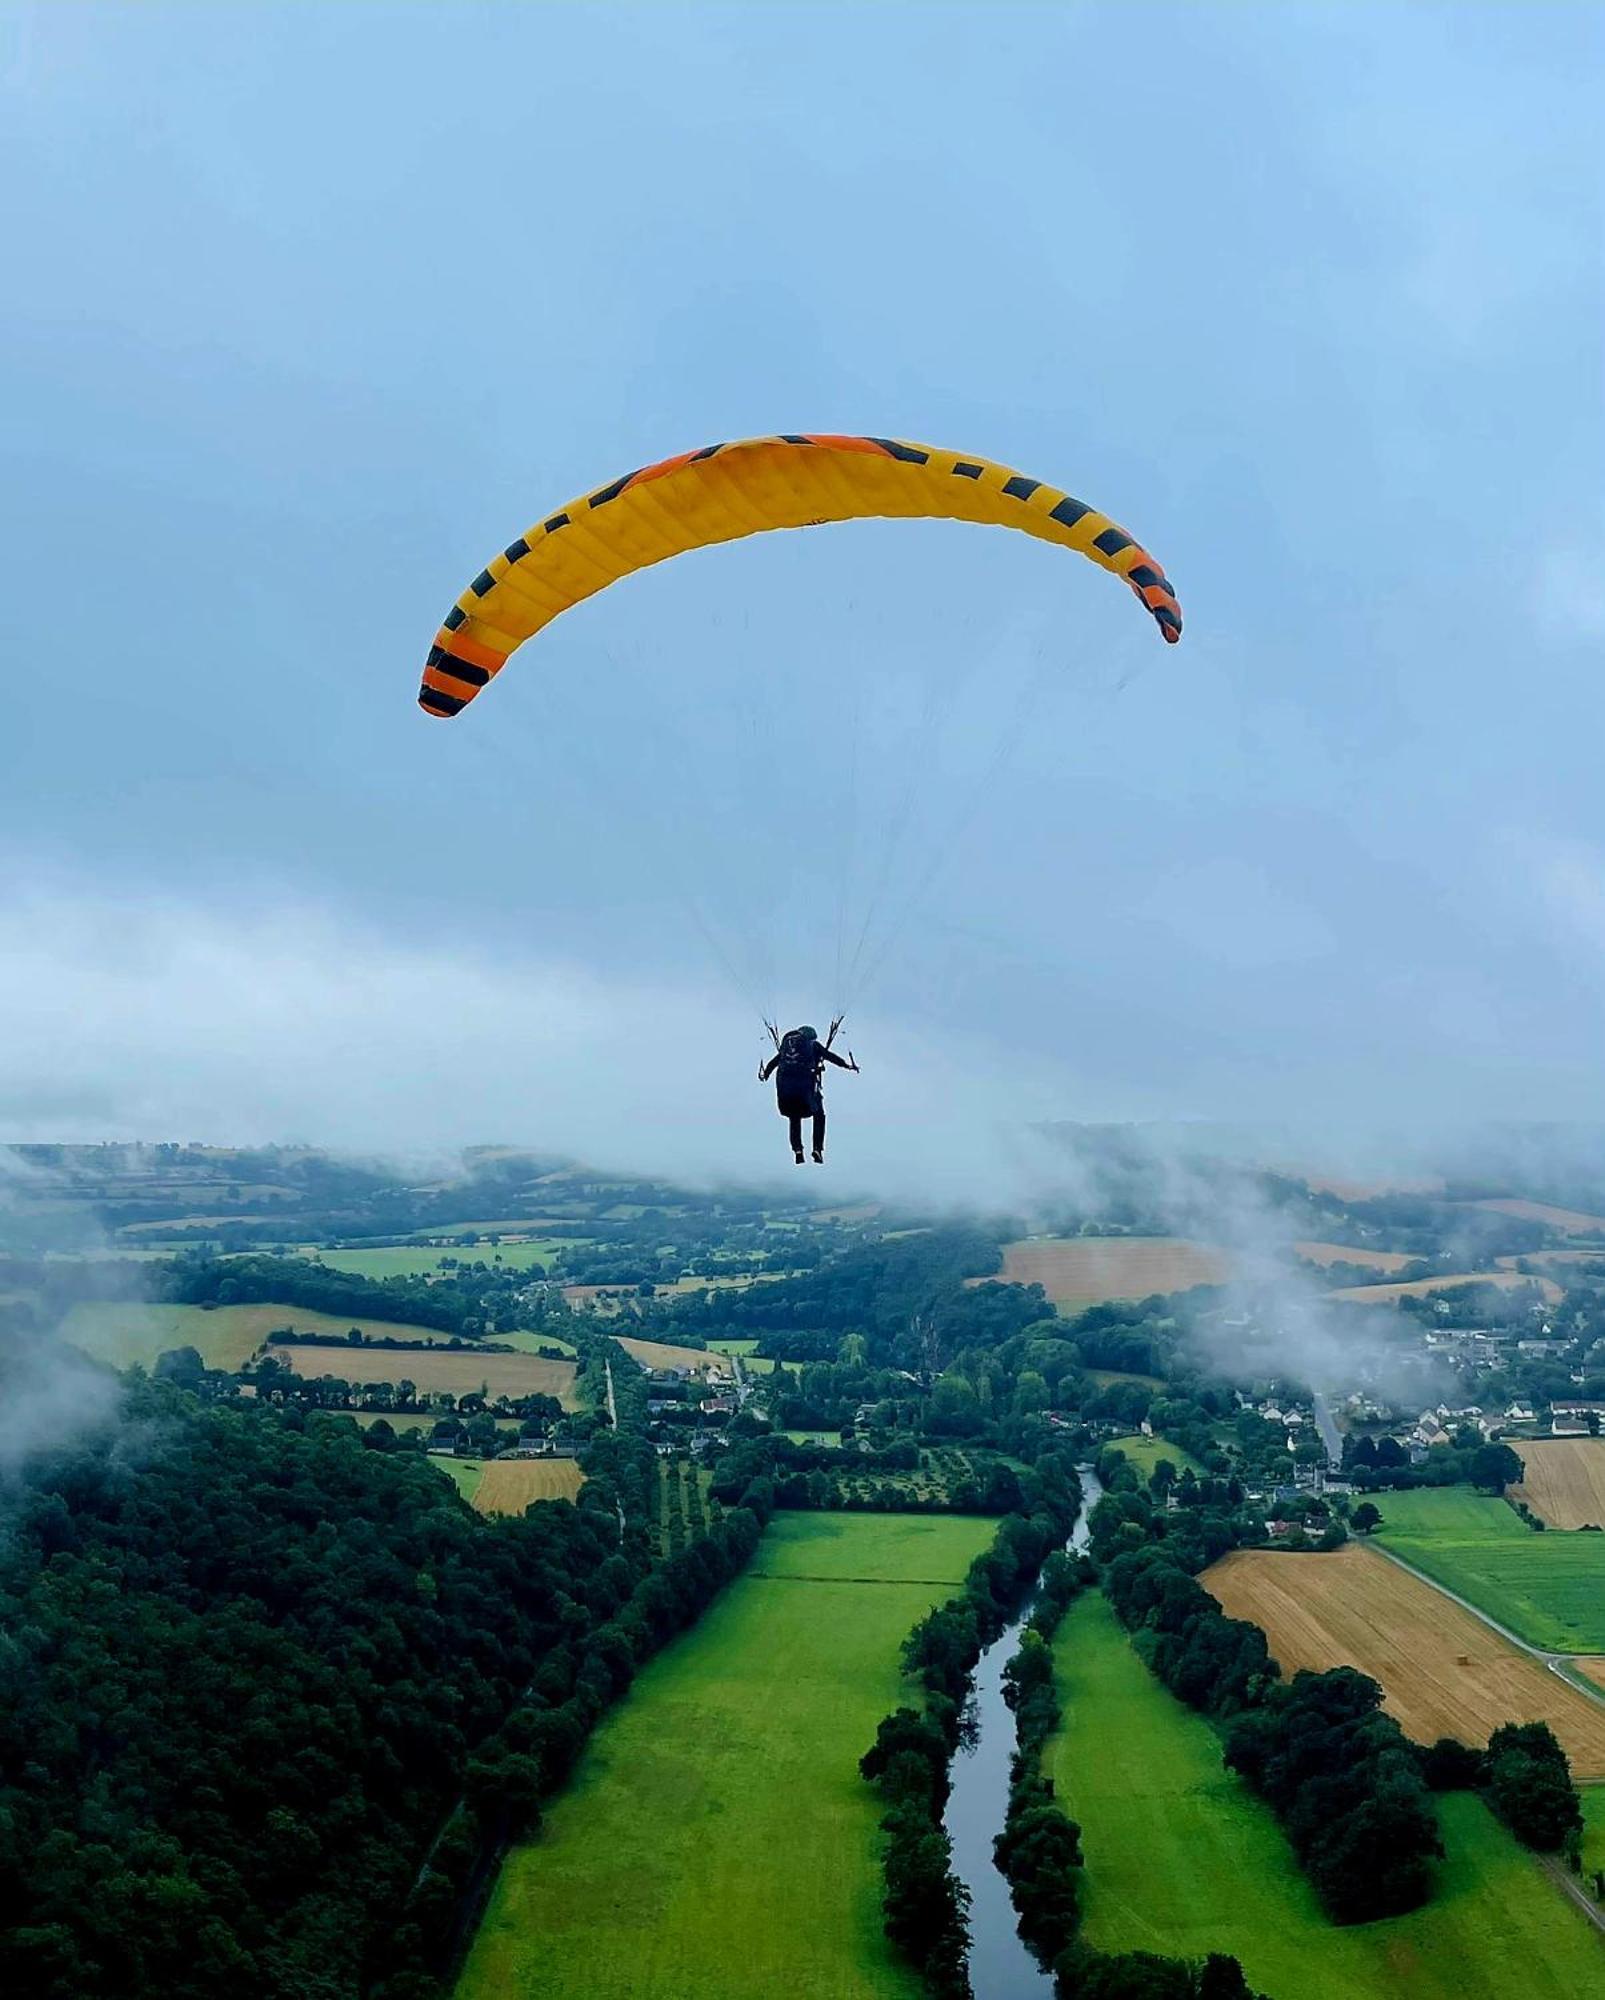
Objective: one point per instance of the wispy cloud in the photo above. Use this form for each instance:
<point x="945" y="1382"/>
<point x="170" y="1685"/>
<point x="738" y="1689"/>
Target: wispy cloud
<point x="166" y="1020"/>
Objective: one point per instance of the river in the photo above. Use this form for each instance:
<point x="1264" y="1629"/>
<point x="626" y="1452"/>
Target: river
<point x="1001" y="1968"/>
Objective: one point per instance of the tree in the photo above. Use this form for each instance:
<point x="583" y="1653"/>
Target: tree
<point x="1366" y="1518"/>
<point x="1494" y="1467"/>
<point x="1530" y="1786"/>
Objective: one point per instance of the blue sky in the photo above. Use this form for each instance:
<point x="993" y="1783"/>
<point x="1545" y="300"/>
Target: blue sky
<point x="313" y="309"/>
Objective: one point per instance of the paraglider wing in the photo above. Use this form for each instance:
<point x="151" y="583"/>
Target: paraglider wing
<point x="727" y="491"/>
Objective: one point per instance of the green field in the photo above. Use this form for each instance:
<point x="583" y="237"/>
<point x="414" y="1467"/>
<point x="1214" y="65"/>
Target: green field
<point x="1182" y="1859"/>
<point x="1145" y="1453"/>
<point x="423" y="1260"/>
<point x="120" y="1333"/>
<point x="1106" y="1378"/>
<point x="1548" y="1588"/>
<point x="1593" y="1797"/>
<point x="755" y="1364"/>
<point x="464" y="1473"/>
<point x="717" y="1840"/>
<point x="413" y="1420"/>
<point x="532" y="1343"/>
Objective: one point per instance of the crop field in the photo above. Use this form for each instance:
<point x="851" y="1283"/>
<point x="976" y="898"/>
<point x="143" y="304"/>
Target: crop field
<point x="1350" y="1253"/>
<point x="1569" y="1221"/>
<point x="1565" y="1481"/>
<point x="659" y="1354"/>
<point x="1182" y="1859"/>
<point x="214" y="1220"/>
<point x="1442" y="1671"/>
<point x="121" y="1333"/>
<point x="1419" y="1288"/>
<point x="510" y="1485"/>
<point x="1082" y="1271"/>
<point x="423" y="1260"/>
<point x="454" y="1371"/>
<point x="717" y="1839"/>
<point x="1548" y="1588"/>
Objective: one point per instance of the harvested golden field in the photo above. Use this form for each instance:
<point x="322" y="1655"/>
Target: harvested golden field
<point x="1085" y="1270"/>
<point x="1593" y="1667"/>
<point x="1347" y="1253"/>
<point x="1565" y="1481"/>
<point x="1569" y="1221"/>
<point x="1442" y="1671"/>
<point x="454" y="1371"/>
<point x="659" y="1354"/>
<point x="1418" y="1288"/>
<point x="509" y="1485"/>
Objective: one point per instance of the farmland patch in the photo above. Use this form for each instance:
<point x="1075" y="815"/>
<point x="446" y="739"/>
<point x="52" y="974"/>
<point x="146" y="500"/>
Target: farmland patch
<point x="1183" y="1859"/>
<point x="1442" y="1671"/>
<point x="1081" y="1271"/>
<point x="452" y="1371"/>
<point x="512" y="1484"/>
<point x="1548" y="1588"/>
<point x="717" y="1839"/>
<point x="121" y="1333"/>
<point x="1564" y="1481"/>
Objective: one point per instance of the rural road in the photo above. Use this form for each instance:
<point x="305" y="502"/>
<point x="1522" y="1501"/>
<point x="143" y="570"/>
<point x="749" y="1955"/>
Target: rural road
<point x="1564" y="1880"/>
<point x="1557" y="1663"/>
<point x="612" y="1407"/>
<point x="1329" y="1432"/>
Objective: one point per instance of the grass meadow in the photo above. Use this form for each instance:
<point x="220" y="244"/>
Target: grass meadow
<point x="1182" y="1859"/>
<point x="1548" y="1588"/>
<point x="423" y="1260"/>
<point x="717" y="1839"/>
<point x="464" y="1473"/>
<point x="1146" y="1452"/>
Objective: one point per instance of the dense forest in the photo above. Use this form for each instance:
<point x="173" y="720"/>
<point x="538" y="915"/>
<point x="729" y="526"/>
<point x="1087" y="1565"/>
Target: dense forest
<point x="257" y="1675"/>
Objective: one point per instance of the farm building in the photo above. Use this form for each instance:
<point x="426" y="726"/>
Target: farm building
<point x="1572" y="1419"/>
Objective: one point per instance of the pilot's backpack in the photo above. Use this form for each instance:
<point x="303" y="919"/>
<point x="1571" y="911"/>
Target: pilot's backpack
<point x="796" y="1071"/>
